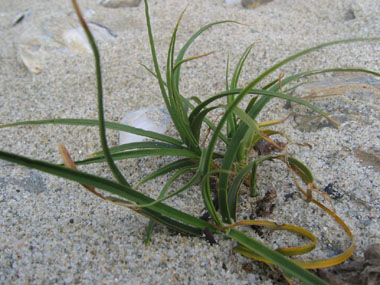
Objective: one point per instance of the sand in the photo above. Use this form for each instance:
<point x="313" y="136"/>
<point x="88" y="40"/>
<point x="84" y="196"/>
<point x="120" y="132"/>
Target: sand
<point x="51" y="231"/>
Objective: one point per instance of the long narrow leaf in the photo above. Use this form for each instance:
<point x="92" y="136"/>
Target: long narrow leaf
<point x="303" y="52"/>
<point x="235" y="186"/>
<point x="196" y="123"/>
<point x="168" y="168"/>
<point x="277" y="258"/>
<point x="183" y="50"/>
<point x="89" y="122"/>
<point x="102" y="128"/>
<point x="141" y="153"/>
<point x="137" y="145"/>
<point x="231" y="121"/>
<point x="190" y="183"/>
<point x="179" y="117"/>
<point x="110" y="186"/>
<point x="161" y="195"/>
<point x="232" y="148"/>
<point x="155" y="61"/>
<point x="188" y="104"/>
<point x="239" y="67"/>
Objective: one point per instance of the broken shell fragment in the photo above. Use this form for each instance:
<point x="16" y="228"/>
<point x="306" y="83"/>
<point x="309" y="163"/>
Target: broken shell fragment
<point x="149" y="119"/>
<point x="76" y="40"/>
<point x="29" y="54"/>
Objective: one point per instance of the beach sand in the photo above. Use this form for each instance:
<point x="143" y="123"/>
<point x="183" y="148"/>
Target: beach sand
<point x="51" y="231"/>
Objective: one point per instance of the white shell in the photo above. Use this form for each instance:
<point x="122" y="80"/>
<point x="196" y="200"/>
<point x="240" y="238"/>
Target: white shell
<point x="76" y="40"/>
<point x="150" y="119"/>
<point x="30" y="55"/>
<point x="38" y="39"/>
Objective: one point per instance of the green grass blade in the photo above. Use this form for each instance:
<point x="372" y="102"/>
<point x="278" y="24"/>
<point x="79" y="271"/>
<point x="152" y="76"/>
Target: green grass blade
<point x="234" y="189"/>
<point x="239" y="67"/>
<point x="204" y="171"/>
<point x="223" y="182"/>
<point x="168" y="168"/>
<point x="171" y="180"/>
<point x="301" y="169"/>
<point x="102" y="128"/>
<point x="196" y="123"/>
<point x="179" y="115"/>
<point x="239" y="134"/>
<point x="111" y="187"/>
<point x="255" y="165"/>
<point x="207" y="121"/>
<point x="188" y="104"/>
<point x="231" y="120"/>
<point x="227" y="71"/>
<point x="162" y="193"/>
<point x="207" y="199"/>
<point x="235" y="186"/>
<point x="264" y="100"/>
<point x="155" y="61"/>
<point x="141" y="153"/>
<point x="251" y="103"/>
<point x="253" y="186"/>
<point x="190" y="183"/>
<point x="208" y="101"/>
<point x="137" y="145"/>
<point x="191" y="58"/>
<point x="212" y="143"/>
<point x="247" y="119"/>
<point x="92" y="123"/>
<point x="275" y="86"/>
<point x="267" y="95"/>
<point x="149" y="231"/>
<point x="223" y="197"/>
<point x="303" y="52"/>
<point x="183" y="50"/>
<point x="180" y="227"/>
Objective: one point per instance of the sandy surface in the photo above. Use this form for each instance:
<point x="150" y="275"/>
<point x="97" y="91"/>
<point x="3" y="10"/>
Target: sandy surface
<point x="53" y="232"/>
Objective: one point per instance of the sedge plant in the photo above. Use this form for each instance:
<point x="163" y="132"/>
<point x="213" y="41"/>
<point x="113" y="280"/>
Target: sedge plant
<point x="233" y="168"/>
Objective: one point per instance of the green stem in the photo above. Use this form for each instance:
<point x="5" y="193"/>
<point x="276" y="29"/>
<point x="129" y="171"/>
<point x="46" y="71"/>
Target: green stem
<point x="102" y="129"/>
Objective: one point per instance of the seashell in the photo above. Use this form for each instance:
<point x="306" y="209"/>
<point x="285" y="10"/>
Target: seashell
<point x="119" y="3"/>
<point x="29" y="54"/>
<point x="37" y="40"/>
<point x="346" y="98"/>
<point x="76" y="40"/>
<point x="149" y="119"/>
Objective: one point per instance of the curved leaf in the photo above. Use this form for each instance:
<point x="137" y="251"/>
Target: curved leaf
<point x="183" y="50"/>
<point x="235" y="186"/>
<point x="196" y="123"/>
<point x="275" y="257"/>
<point x="167" y="168"/>
<point x="99" y="84"/>
<point x="113" y="188"/>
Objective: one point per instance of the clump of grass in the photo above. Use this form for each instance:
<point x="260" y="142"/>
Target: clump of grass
<point x="239" y="131"/>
